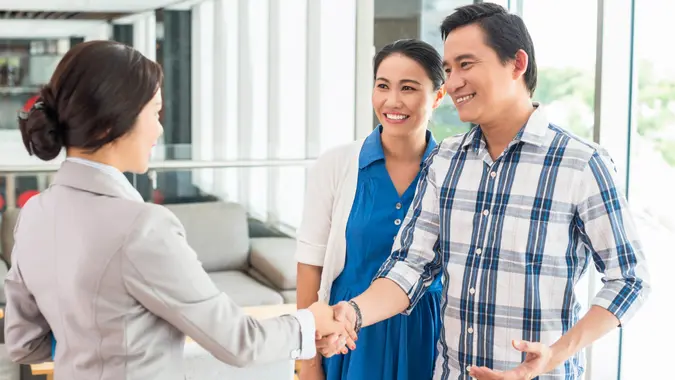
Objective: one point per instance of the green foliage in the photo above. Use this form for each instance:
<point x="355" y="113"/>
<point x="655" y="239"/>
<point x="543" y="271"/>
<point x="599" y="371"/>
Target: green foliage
<point x="573" y="90"/>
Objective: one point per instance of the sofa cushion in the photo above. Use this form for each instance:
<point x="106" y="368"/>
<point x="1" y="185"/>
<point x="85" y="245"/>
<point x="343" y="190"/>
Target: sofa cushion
<point x="9" y="218"/>
<point x="290" y="296"/>
<point x="217" y="231"/>
<point x="260" y="278"/>
<point x="244" y="290"/>
<point x="273" y="257"/>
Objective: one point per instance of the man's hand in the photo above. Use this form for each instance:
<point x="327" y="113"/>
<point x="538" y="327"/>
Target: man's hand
<point x="333" y="344"/>
<point x="326" y="324"/>
<point x="536" y="362"/>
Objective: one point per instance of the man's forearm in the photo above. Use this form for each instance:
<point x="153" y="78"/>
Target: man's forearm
<point x="593" y="326"/>
<point x="382" y="300"/>
<point x="309" y="281"/>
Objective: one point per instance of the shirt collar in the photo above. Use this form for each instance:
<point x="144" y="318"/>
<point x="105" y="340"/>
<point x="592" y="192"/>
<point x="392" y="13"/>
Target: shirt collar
<point x="372" y="147"/>
<point x="533" y="132"/>
<point x="111" y="171"/>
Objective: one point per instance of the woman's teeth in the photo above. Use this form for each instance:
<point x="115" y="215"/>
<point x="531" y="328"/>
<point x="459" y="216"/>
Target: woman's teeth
<point x="394" y="116"/>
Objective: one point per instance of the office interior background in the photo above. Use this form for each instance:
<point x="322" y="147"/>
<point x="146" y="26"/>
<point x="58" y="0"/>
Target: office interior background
<point x="255" y="90"/>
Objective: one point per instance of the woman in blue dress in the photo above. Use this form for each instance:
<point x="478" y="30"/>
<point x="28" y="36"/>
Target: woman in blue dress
<point x="357" y="196"/>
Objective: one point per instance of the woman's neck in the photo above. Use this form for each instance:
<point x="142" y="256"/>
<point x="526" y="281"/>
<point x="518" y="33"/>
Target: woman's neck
<point x="406" y="149"/>
<point x="100" y="156"/>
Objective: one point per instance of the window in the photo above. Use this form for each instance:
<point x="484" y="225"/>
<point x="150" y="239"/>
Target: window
<point x="445" y="121"/>
<point x="566" y="79"/>
<point x="651" y="181"/>
<point x="291" y="92"/>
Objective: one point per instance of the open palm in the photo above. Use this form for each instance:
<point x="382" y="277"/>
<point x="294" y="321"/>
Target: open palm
<point x="536" y="360"/>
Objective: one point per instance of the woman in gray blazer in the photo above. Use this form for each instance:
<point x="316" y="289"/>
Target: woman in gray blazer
<point x="110" y="276"/>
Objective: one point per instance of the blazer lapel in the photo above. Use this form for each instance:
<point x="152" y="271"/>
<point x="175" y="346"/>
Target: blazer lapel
<point x="93" y="180"/>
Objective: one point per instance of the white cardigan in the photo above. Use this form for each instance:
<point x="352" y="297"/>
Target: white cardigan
<point x="329" y="195"/>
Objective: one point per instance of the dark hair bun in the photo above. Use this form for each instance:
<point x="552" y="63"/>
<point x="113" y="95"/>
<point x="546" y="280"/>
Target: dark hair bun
<point x="40" y="130"/>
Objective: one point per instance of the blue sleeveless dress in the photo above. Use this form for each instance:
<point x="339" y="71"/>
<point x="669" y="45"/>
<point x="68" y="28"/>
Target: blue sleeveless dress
<point x="402" y="347"/>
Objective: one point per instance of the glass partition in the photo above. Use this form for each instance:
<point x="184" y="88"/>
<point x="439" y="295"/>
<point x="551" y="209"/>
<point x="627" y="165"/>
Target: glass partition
<point x="174" y="182"/>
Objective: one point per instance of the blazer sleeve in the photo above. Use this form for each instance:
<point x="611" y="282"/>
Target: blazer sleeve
<point x="27" y="333"/>
<point x="164" y="274"/>
<point x="320" y="192"/>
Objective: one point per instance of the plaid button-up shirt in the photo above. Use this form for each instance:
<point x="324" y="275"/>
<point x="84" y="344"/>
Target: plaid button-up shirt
<point x="511" y="238"/>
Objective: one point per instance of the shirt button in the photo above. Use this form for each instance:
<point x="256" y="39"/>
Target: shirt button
<point x="470" y="330"/>
<point x="399" y="205"/>
<point x="295" y="354"/>
<point x="397" y="222"/>
<point x="468" y="368"/>
<point x="479" y="251"/>
<point x="486" y="212"/>
<point x="472" y="291"/>
<point x="493" y="174"/>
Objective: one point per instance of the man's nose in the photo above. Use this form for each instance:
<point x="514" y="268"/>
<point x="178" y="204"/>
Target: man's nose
<point x="453" y="83"/>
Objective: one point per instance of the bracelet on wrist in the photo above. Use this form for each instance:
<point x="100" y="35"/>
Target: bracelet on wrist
<point x="359" y="318"/>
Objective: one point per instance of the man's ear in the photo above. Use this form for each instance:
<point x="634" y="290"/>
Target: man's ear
<point x="520" y="63"/>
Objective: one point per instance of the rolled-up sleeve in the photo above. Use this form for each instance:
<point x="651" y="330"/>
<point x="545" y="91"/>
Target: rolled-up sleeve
<point x="415" y="259"/>
<point x="314" y="229"/>
<point x="608" y="230"/>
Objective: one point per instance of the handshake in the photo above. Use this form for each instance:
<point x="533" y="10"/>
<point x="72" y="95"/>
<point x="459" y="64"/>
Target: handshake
<point x="335" y="327"/>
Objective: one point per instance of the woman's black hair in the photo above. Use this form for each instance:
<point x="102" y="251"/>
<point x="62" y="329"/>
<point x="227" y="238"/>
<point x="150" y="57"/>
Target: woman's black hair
<point x="419" y="51"/>
<point x="93" y="98"/>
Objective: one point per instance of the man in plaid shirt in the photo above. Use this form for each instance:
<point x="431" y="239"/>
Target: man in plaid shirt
<point x="511" y="214"/>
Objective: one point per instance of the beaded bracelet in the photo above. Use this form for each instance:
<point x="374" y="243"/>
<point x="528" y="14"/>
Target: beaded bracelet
<point x="359" y="318"/>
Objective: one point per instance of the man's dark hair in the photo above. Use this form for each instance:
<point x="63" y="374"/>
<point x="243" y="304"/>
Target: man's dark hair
<point x="420" y="52"/>
<point x="505" y="33"/>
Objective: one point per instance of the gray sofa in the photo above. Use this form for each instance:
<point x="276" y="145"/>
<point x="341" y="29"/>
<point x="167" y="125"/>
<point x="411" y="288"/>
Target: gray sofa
<point x="252" y="271"/>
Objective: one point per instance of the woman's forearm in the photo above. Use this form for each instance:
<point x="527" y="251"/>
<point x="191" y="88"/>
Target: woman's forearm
<point x="309" y="281"/>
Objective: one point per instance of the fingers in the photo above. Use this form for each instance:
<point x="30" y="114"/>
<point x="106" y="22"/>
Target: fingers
<point x="341" y="314"/>
<point x="525" y="346"/>
<point x="484" y="373"/>
<point x="349" y="327"/>
<point x="327" y="341"/>
<point x="334" y="344"/>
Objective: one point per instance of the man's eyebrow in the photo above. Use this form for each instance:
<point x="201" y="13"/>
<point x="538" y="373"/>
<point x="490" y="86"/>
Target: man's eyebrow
<point x="459" y="58"/>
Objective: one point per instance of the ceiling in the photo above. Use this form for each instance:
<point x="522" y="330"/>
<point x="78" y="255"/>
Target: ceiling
<point x="30" y="15"/>
<point x="84" y="6"/>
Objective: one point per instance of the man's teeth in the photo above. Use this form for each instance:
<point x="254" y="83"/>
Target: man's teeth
<point x="464" y="98"/>
<point x="396" y="116"/>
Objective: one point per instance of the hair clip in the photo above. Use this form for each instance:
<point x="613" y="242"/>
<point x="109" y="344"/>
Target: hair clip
<point x="23" y="115"/>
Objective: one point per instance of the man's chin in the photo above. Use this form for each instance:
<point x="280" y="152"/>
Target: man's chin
<point x="468" y="118"/>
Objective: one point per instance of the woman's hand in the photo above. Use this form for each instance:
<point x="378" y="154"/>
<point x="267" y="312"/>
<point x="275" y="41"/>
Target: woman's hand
<point x="331" y="345"/>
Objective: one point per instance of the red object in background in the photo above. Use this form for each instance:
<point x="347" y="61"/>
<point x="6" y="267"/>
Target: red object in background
<point x="2" y="202"/>
<point x="25" y="196"/>
<point x="30" y="102"/>
<point x="157" y="197"/>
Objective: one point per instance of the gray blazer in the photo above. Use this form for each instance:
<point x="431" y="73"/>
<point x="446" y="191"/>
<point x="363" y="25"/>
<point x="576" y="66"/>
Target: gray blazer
<point x="115" y="281"/>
